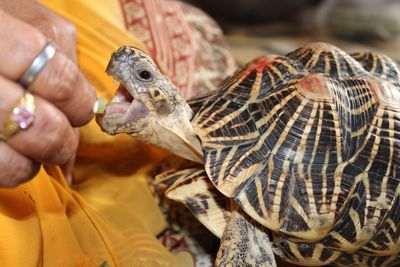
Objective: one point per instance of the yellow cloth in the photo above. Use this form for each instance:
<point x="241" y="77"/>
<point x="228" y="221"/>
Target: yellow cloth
<point x="110" y="216"/>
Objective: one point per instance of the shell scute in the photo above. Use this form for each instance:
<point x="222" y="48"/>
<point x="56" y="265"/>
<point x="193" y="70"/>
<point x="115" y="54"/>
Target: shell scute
<point x="294" y="124"/>
<point x="315" y="87"/>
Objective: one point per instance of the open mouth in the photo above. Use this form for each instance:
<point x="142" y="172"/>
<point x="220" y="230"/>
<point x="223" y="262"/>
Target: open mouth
<point x="123" y="113"/>
<point x="124" y="108"/>
<point x="120" y="103"/>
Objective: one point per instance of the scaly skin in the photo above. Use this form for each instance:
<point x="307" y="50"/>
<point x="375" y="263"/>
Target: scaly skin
<point x="158" y="113"/>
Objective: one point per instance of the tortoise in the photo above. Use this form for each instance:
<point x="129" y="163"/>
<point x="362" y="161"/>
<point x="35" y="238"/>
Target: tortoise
<point x="297" y="156"/>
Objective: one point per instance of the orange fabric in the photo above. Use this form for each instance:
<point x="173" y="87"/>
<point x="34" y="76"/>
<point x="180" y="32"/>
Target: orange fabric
<point x="110" y="216"/>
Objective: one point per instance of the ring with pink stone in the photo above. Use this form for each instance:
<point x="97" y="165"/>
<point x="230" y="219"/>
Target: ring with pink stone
<point x="21" y="117"/>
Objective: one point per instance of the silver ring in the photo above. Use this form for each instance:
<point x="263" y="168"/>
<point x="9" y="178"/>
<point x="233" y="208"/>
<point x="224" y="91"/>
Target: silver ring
<point x="37" y="65"/>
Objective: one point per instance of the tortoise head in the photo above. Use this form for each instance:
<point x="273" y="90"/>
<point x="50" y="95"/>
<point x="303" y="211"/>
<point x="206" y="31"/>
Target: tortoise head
<point x="147" y="104"/>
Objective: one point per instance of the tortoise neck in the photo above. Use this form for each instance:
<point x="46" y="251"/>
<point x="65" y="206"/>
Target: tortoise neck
<point x="183" y="141"/>
<point x="175" y="134"/>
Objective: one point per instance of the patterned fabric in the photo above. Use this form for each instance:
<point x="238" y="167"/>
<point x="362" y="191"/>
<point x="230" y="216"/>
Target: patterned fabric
<point x="187" y="45"/>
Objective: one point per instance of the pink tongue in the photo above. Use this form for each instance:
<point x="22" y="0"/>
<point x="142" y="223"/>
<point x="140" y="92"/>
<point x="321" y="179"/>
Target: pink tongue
<point x="119" y="108"/>
<point x="124" y="93"/>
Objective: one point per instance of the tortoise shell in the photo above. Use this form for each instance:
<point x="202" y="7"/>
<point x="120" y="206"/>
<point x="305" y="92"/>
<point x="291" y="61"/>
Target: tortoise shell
<point x="308" y="146"/>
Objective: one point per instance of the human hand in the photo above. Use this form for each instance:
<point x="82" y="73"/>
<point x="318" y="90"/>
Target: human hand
<point x="63" y="98"/>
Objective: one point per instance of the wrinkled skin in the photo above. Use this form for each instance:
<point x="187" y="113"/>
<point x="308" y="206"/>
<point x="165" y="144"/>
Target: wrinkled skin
<point x="64" y="99"/>
<point x="148" y="106"/>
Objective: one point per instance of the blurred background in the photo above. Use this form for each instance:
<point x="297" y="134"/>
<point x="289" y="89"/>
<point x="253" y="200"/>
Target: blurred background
<point x="256" y="27"/>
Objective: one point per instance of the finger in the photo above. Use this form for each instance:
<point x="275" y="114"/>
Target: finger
<point x="60" y="82"/>
<point x="15" y="168"/>
<point x="57" y="29"/>
<point x="68" y="167"/>
<point x="53" y="26"/>
<point x="50" y="139"/>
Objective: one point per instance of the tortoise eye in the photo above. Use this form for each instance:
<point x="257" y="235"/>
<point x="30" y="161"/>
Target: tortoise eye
<point x="145" y="75"/>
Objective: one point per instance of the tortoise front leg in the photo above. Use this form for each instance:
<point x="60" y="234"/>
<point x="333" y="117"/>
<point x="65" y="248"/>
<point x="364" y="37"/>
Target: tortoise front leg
<point x="245" y="243"/>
